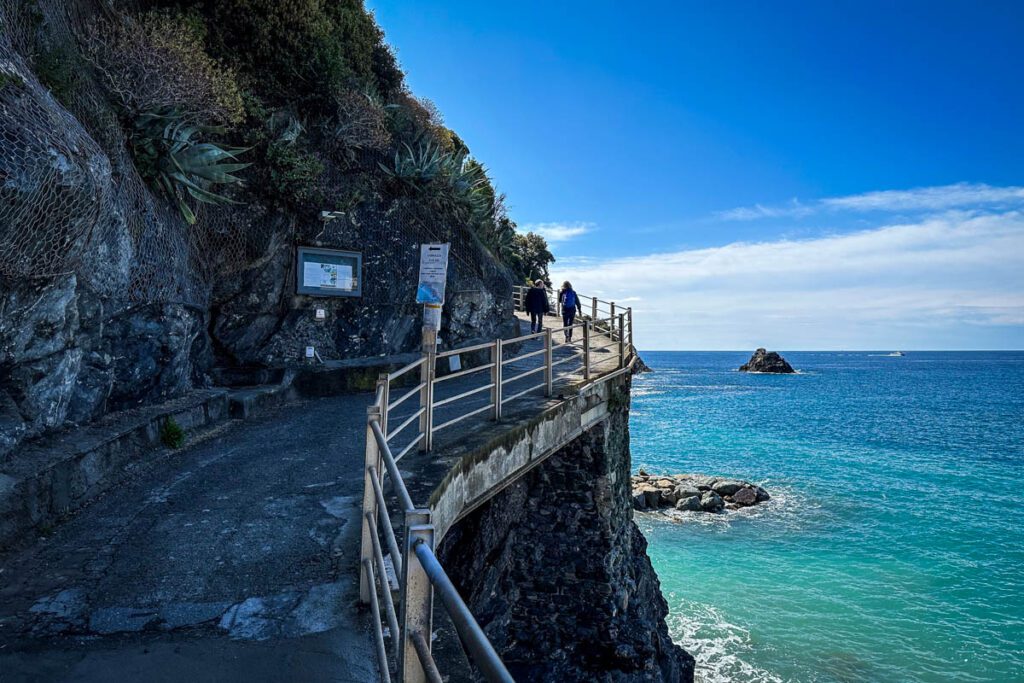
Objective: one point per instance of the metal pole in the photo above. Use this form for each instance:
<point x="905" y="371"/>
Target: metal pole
<point x="629" y="316"/>
<point x="473" y="637"/>
<point x="611" y="322"/>
<point x="496" y="379"/>
<point x="417" y="596"/>
<point x="382" y="656"/>
<point x="372" y="465"/>
<point x="593" y="308"/>
<point x="384" y="389"/>
<point x="586" y="349"/>
<point x="385" y="586"/>
<point x="427" y="392"/>
<point x="622" y="340"/>
<point x="549" y="375"/>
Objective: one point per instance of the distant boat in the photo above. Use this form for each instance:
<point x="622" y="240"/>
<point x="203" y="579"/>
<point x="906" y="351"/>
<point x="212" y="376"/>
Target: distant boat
<point x="897" y="354"/>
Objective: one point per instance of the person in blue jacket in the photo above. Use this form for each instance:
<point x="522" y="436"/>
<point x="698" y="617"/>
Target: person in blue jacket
<point x="570" y="303"/>
<point x="537" y="305"/>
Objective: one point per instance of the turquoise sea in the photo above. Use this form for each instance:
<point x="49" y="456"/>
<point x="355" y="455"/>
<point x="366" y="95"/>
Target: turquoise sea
<point x="893" y="549"/>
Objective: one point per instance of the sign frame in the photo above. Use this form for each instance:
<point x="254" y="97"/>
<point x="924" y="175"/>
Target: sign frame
<point x="352" y="260"/>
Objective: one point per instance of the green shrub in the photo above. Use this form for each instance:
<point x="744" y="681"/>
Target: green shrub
<point x="293" y="174"/>
<point x="171" y="434"/>
<point x="303" y="50"/>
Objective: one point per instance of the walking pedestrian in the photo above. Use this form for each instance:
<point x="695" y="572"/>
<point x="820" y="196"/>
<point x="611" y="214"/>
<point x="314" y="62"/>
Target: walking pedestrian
<point x="570" y="302"/>
<point x="537" y="305"/>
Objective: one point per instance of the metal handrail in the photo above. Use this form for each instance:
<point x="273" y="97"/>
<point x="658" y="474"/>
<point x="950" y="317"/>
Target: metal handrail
<point x="464" y="394"/>
<point x="523" y="356"/>
<point x="394" y="432"/>
<point x="409" y="394"/>
<point x="392" y="376"/>
<point x="410" y="634"/>
<point x="472" y="635"/>
<point x="468" y="371"/>
<point x="464" y="349"/>
<point x="378" y="630"/>
<point x="389" y="461"/>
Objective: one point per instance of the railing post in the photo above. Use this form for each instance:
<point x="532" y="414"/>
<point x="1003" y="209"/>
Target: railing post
<point x="622" y="340"/>
<point x="593" y="308"/>
<point x="611" y="316"/>
<point x="427" y="392"/>
<point x="586" y="349"/>
<point x="373" y="460"/>
<point x="549" y="375"/>
<point x="629" y="318"/>
<point x="496" y="379"/>
<point x="385" y="385"/>
<point x="417" y="596"/>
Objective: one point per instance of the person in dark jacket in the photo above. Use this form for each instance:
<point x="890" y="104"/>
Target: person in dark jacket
<point x="569" y="300"/>
<point x="537" y="305"/>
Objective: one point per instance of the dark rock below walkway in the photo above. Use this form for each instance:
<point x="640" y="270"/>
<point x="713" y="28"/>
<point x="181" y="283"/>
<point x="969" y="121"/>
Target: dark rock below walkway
<point x="693" y="492"/>
<point x="767" y="361"/>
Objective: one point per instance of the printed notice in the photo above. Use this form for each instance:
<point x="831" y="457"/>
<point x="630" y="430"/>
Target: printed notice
<point x="327" y="275"/>
<point x="433" y="273"/>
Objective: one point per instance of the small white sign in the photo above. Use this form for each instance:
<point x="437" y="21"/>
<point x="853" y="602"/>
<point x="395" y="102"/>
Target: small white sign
<point x="454" y="363"/>
<point x="321" y="314"/>
<point x="310" y="352"/>
<point x="433" y="273"/>
<point x="432" y="316"/>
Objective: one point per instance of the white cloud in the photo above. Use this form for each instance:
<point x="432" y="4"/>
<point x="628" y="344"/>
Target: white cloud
<point x="949" y="281"/>
<point x="558" y="232"/>
<point x="939" y="198"/>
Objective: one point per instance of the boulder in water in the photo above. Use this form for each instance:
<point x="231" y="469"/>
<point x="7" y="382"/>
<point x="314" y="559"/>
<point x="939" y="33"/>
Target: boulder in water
<point x="767" y="361"/>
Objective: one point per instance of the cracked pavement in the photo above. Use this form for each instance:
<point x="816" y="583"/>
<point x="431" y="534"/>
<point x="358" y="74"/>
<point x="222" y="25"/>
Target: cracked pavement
<point x="232" y="559"/>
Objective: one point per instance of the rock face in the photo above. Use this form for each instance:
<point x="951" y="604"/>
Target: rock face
<point x="693" y="493"/>
<point x="767" y="361"/>
<point x="109" y="300"/>
<point x="557" y="572"/>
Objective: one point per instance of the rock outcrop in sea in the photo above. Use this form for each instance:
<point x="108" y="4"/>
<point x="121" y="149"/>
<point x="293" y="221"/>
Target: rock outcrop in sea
<point x="693" y="492"/>
<point x="767" y="361"/>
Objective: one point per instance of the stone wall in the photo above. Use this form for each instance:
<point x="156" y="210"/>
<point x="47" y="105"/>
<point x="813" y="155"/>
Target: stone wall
<point x="558" y="573"/>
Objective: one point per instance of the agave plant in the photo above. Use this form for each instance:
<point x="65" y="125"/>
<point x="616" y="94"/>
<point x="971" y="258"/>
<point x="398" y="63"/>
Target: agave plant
<point x="170" y="155"/>
<point x="419" y="165"/>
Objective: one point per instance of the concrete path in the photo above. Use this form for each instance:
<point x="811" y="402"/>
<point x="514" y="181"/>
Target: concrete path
<point x="231" y="560"/>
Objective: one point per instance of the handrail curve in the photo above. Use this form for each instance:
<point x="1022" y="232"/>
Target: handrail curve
<point x="417" y="568"/>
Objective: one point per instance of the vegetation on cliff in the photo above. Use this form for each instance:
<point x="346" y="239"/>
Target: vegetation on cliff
<point x="162" y="159"/>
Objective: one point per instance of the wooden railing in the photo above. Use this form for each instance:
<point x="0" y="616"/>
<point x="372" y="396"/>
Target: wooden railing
<point x="508" y="370"/>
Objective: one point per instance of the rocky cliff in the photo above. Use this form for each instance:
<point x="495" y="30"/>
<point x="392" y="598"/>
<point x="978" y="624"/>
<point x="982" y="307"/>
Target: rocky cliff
<point x="124" y="283"/>
<point x="558" y="573"/>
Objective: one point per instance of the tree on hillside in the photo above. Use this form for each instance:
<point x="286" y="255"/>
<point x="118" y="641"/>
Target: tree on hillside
<point x="531" y="257"/>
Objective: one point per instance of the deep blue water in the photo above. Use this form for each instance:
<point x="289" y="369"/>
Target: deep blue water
<point x="893" y="549"/>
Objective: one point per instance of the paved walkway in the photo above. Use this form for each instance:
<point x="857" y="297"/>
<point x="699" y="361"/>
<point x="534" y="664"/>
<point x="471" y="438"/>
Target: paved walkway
<point x="231" y="560"/>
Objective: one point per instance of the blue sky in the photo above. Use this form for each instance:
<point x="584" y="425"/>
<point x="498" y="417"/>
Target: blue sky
<point x="797" y="175"/>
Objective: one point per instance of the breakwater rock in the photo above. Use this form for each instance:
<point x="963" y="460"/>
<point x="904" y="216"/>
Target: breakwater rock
<point x="693" y="492"/>
<point x="767" y="361"/>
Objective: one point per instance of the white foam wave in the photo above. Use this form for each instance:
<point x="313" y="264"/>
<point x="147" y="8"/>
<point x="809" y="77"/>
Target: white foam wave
<point x="787" y="507"/>
<point x="721" y="648"/>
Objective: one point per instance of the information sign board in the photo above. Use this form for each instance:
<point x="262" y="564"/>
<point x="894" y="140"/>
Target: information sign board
<point x="433" y="274"/>
<point x="329" y="272"/>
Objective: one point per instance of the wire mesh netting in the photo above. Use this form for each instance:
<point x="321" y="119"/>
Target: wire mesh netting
<point x="72" y="200"/>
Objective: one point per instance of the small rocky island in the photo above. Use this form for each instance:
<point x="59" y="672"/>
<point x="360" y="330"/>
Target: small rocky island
<point x="693" y="492"/>
<point x="765" y="361"/>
